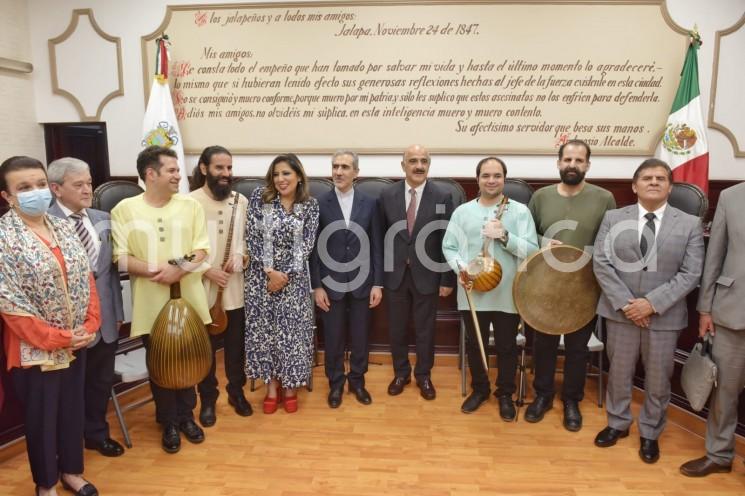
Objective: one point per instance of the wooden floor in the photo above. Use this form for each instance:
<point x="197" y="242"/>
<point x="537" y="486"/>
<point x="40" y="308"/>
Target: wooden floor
<point x="397" y="446"/>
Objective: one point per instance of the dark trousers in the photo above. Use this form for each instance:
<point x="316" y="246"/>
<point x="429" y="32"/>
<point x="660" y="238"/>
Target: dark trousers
<point x="99" y="376"/>
<point x="234" y="352"/>
<point x="172" y="406"/>
<point x="53" y="418"/>
<point x="401" y="302"/>
<point x="576" y="355"/>
<point x="505" y="339"/>
<point x="353" y="314"/>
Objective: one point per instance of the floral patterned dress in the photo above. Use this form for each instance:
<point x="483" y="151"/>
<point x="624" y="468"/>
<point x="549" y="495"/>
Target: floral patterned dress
<point x="279" y="326"/>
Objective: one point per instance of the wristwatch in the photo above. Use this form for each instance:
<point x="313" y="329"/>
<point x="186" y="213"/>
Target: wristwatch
<point x="180" y="261"/>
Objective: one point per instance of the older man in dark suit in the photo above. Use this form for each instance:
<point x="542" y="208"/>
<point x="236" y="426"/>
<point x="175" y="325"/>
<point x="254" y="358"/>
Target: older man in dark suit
<point x="70" y="180"/>
<point x="647" y="258"/>
<point x="347" y="275"/>
<point x="415" y="215"/>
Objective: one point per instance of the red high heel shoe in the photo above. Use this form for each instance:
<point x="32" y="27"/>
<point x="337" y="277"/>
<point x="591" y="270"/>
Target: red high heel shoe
<point x="291" y="403"/>
<point x="271" y="404"/>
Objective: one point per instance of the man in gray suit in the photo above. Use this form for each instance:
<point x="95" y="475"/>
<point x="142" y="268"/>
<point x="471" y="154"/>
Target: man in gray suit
<point x="70" y="181"/>
<point x="722" y="313"/>
<point x="647" y="258"/>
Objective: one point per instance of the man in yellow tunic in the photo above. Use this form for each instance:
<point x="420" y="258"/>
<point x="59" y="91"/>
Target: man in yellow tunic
<point x="150" y="230"/>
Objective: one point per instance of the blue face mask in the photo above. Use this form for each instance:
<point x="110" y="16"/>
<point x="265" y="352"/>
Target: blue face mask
<point x="35" y="202"/>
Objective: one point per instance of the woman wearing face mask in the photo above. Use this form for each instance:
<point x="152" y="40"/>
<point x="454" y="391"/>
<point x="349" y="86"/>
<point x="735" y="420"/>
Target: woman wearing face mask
<point x="50" y="313"/>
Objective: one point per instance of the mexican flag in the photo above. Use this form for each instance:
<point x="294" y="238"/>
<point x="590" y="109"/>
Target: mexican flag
<point x="160" y="126"/>
<point x="684" y="145"/>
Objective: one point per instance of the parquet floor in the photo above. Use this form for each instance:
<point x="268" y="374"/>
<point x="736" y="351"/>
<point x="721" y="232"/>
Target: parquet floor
<point x="397" y="446"/>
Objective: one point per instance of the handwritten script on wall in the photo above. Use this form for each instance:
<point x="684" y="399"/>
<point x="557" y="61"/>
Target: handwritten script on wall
<point x="458" y="77"/>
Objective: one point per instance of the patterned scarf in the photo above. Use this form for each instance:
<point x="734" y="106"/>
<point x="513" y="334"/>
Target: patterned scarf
<point x="32" y="283"/>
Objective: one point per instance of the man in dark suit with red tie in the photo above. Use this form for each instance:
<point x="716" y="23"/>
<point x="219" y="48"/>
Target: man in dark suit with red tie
<point x="415" y="214"/>
<point x="347" y="275"/>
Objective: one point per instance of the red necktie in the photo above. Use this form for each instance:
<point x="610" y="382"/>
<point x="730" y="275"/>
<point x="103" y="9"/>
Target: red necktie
<point x="411" y="211"/>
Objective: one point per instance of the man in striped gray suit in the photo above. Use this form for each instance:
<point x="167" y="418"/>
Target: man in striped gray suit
<point x="70" y="180"/>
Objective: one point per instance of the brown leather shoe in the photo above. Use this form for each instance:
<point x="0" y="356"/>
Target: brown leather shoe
<point x="396" y="386"/>
<point x="426" y="389"/>
<point x="701" y="467"/>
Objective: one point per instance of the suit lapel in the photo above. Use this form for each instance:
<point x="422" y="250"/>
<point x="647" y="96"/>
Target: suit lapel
<point x="632" y="215"/>
<point x="94" y="220"/>
<point x="423" y="214"/>
<point x="666" y="224"/>
<point x="357" y="201"/>
<point x="400" y="201"/>
<point x="104" y="237"/>
<point x="333" y="203"/>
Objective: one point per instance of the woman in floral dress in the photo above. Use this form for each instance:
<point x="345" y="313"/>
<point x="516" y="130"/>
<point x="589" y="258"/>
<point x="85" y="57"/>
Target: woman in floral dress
<point x="281" y="231"/>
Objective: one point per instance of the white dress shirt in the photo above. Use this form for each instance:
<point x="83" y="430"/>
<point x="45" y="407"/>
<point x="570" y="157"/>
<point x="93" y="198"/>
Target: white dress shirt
<point x="407" y="195"/>
<point x="657" y="219"/>
<point x="87" y="222"/>
<point x="345" y="202"/>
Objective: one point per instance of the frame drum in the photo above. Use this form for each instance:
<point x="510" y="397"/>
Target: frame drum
<point x="555" y="290"/>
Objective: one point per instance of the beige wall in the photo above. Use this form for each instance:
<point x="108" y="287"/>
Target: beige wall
<point x="20" y="134"/>
<point x="123" y="115"/>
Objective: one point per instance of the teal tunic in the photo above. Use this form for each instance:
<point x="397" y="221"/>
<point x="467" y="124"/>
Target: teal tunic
<point x="463" y="241"/>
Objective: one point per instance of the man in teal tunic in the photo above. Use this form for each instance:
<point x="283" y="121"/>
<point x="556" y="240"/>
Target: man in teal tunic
<point x="513" y="238"/>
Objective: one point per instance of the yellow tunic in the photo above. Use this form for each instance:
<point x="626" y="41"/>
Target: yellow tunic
<point x="218" y="215"/>
<point x="156" y="235"/>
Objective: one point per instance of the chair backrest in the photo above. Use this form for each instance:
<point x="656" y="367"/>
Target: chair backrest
<point x="372" y="186"/>
<point x="319" y="185"/>
<point x="451" y="186"/>
<point x="107" y="195"/>
<point x="689" y="198"/>
<point x="247" y="185"/>
<point x="518" y="190"/>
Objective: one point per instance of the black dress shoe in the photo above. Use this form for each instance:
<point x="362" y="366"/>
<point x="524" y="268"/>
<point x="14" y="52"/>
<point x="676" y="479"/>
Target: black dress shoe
<point x="207" y="414"/>
<point x="572" y="416"/>
<point x="335" y="396"/>
<point x="107" y="447"/>
<point x="426" y="389"/>
<point x="649" y="451"/>
<point x="87" y="489"/>
<point x="240" y="404"/>
<point x="536" y="410"/>
<point x="506" y="408"/>
<point x="701" y="467"/>
<point x="608" y="437"/>
<point x="396" y="386"/>
<point x="362" y="395"/>
<point x="171" y="439"/>
<point x="194" y="434"/>
<point x="473" y="402"/>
